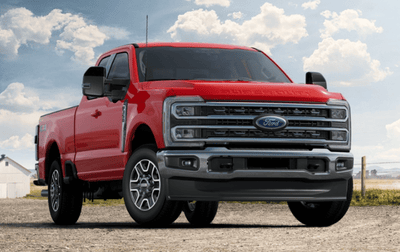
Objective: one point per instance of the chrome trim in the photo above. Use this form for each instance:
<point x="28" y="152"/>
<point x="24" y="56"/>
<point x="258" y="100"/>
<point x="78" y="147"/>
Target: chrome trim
<point x="123" y="130"/>
<point x="258" y="140"/>
<point x="37" y="171"/>
<point x="285" y="105"/>
<point x="210" y="152"/>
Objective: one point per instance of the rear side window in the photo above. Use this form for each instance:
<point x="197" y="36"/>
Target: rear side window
<point x="120" y="67"/>
<point x="103" y="62"/>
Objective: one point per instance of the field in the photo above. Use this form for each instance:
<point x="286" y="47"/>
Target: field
<point x="378" y="184"/>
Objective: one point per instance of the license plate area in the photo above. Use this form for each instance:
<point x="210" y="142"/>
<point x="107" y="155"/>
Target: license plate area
<point x="230" y="164"/>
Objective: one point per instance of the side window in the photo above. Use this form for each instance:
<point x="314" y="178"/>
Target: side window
<point x="120" y="67"/>
<point x="103" y="62"/>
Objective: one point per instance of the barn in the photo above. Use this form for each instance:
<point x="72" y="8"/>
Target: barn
<point x="14" y="179"/>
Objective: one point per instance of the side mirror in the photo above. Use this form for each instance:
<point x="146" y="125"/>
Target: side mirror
<point x="93" y="81"/>
<point x="316" y="79"/>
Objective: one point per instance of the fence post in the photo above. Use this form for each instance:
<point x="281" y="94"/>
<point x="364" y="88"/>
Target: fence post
<point x="363" y="171"/>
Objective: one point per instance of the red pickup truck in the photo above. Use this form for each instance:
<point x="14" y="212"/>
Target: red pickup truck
<point x="174" y="127"/>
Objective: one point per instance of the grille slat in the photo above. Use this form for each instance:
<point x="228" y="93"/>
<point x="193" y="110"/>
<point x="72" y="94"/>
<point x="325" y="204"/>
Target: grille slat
<point x="227" y="110"/>
<point x="216" y="133"/>
<point x="249" y="122"/>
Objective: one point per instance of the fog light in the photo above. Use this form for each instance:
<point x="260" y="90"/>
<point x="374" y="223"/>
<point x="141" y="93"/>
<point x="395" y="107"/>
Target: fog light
<point x="188" y="162"/>
<point x="339" y="135"/>
<point x="340" y="165"/>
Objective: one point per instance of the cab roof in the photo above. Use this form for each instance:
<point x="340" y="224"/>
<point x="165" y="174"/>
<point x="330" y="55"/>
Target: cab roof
<point x="191" y="45"/>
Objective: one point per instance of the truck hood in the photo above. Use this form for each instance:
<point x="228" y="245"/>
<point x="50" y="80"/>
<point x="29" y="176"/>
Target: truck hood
<point x="245" y="91"/>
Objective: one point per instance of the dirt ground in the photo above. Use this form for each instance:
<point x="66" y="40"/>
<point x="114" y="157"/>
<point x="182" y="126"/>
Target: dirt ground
<point x="26" y="225"/>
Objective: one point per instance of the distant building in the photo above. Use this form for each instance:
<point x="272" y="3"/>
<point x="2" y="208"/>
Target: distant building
<point x="373" y="175"/>
<point x="14" y="179"/>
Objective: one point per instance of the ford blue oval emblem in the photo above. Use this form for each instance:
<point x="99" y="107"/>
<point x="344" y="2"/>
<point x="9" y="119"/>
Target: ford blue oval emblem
<point x="270" y="122"/>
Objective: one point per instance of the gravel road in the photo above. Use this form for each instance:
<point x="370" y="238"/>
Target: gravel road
<point x="26" y="225"/>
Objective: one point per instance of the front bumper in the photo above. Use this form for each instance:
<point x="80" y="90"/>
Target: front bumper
<point x="241" y="183"/>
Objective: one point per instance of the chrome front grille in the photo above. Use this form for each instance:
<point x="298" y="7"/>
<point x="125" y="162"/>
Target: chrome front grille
<point x="228" y="122"/>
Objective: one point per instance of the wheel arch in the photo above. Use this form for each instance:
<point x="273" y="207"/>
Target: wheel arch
<point x="141" y="135"/>
<point x="52" y="153"/>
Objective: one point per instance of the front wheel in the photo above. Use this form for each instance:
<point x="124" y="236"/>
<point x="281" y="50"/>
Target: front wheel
<point x="144" y="193"/>
<point x="65" y="201"/>
<point x="322" y="214"/>
<point x="200" y="213"/>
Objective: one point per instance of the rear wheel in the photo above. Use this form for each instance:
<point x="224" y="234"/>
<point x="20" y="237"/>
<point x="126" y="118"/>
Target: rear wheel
<point x="200" y="213"/>
<point x="321" y="214"/>
<point x="65" y="201"/>
<point x="144" y="192"/>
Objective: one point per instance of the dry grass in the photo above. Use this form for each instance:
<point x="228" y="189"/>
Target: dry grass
<point x="386" y="184"/>
<point x="35" y="192"/>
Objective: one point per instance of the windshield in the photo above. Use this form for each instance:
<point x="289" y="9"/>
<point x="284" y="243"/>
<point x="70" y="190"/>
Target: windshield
<point x="171" y="63"/>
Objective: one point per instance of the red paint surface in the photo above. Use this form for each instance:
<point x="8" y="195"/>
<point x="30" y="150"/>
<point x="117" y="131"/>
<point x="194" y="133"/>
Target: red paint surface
<point x="89" y="135"/>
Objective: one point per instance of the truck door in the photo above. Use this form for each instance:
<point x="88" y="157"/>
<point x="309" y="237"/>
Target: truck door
<point x="98" y="130"/>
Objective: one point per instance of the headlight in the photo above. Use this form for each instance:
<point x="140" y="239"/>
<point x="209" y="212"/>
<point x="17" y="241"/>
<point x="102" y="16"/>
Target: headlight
<point x="338" y="114"/>
<point x="187" y="133"/>
<point x="341" y="112"/>
<point x="179" y="109"/>
<point x="339" y="135"/>
<point x="184" y="111"/>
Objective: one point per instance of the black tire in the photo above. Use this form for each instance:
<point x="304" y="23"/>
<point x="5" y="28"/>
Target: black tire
<point x="200" y="213"/>
<point x="322" y="214"/>
<point x="65" y="201"/>
<point x="144" y="191"/>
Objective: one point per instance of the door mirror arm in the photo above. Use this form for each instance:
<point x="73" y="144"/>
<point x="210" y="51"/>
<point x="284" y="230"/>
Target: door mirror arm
<point x="116" y="88"/>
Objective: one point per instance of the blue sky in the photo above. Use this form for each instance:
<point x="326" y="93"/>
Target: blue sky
<point x="46" y="46"/>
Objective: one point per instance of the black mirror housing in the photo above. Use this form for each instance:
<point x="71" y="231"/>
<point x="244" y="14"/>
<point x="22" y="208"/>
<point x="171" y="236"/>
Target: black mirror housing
<point x="316" y="79"/>
<point x="93" y="82"/>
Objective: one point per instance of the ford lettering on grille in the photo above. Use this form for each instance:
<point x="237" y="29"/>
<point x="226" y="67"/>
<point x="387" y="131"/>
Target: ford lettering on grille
<point x="270" y="122"/>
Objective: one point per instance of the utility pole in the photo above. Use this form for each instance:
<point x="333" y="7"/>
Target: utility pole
<point x="363" y="171"/>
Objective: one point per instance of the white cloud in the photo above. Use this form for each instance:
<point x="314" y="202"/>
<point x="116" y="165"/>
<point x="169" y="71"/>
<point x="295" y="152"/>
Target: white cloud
<point x="311" y="4"/>
<point x="393" y="130"/>
<point x="208" y="3"/>
<point x="350" y="59"/>
<point x="236" y="15"/>
<point x="348" y="20"/>
<point x="115" y="32"/>
<point x="81" y="39"/>
<point x="19" y="27"/>
<point x="20" y="110"/>
<point x="386" y="150"/>
<point x="17" y="143"/>
<point x="18" y="123"/>
<point x="266" y="30"/>
<point x="13" y="98"/>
